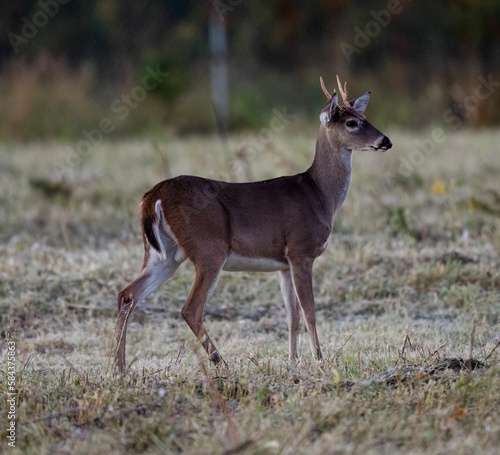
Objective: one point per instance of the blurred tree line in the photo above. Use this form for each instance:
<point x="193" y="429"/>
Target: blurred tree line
<point x="63" y="63"/>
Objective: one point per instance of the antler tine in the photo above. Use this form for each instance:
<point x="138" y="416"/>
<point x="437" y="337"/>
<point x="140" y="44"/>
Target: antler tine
<point x="325" y="91"/>
<point x="343" y="92"/>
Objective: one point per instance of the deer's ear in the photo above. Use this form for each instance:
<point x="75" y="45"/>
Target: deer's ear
<point x="329" y="111"/>
<point x="360" y="104"/>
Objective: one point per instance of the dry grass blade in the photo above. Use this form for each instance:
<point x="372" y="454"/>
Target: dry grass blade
<point x="493" y="350"/>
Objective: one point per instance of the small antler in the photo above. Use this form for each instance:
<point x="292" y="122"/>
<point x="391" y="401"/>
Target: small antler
<point x="325" y="91"/>
<point x="343" y="92"/>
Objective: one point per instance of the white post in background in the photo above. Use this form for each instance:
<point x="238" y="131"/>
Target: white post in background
<point x="218" y="68"/>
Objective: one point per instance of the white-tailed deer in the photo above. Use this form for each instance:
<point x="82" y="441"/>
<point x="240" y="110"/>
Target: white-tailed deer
<point x="282" y="225"/>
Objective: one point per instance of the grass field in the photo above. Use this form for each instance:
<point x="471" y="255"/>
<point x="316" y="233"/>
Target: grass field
<point x="407" y="294"/>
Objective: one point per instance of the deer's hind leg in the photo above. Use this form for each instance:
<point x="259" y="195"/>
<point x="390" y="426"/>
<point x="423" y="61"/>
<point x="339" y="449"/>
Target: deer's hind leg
<point x="157" y="268"/>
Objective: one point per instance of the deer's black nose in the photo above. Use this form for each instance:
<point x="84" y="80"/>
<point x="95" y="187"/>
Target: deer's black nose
<point x="383" y="144"/>
<point x="386" y="143"/>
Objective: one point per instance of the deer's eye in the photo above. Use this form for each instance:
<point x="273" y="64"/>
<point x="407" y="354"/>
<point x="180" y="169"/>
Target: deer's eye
<point x="351" y="124"/>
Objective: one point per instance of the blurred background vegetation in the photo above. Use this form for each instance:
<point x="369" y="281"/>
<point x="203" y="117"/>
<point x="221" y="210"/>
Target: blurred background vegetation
<point x="64" y="62"/>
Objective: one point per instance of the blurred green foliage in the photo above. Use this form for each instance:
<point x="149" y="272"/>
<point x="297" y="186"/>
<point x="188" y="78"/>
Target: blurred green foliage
<point x="62" y="65"/>
<point x="176" y="81"/>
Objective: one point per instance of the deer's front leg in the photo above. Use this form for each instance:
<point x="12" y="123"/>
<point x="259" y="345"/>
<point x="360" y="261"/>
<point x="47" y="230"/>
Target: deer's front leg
<point x="292" y="311"/>
<point x="302" y="280"/>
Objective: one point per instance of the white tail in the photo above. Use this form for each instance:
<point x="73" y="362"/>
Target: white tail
<point x="280" y="225"/>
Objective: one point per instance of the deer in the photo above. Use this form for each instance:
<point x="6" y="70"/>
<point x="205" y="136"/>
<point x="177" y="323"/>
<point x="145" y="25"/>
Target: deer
<point x="277" y="225"/>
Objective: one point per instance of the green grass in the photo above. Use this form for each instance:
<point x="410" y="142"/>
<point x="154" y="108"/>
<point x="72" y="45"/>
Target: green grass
<point x="410" y="280"/>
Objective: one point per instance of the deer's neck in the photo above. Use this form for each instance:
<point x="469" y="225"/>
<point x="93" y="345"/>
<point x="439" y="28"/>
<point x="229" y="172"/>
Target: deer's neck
<point x="331" y="170"/>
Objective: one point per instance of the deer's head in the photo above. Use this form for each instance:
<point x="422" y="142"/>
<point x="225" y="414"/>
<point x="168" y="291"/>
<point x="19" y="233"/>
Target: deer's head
<point x="346" y="125"/>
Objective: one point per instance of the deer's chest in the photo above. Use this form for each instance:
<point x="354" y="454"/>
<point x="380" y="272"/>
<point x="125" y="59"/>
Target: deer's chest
<point x="343" y="178"/>
<point x="343" y="189"/>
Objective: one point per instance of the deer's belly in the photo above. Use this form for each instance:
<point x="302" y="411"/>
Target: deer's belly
<point x="238" y="263"/>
